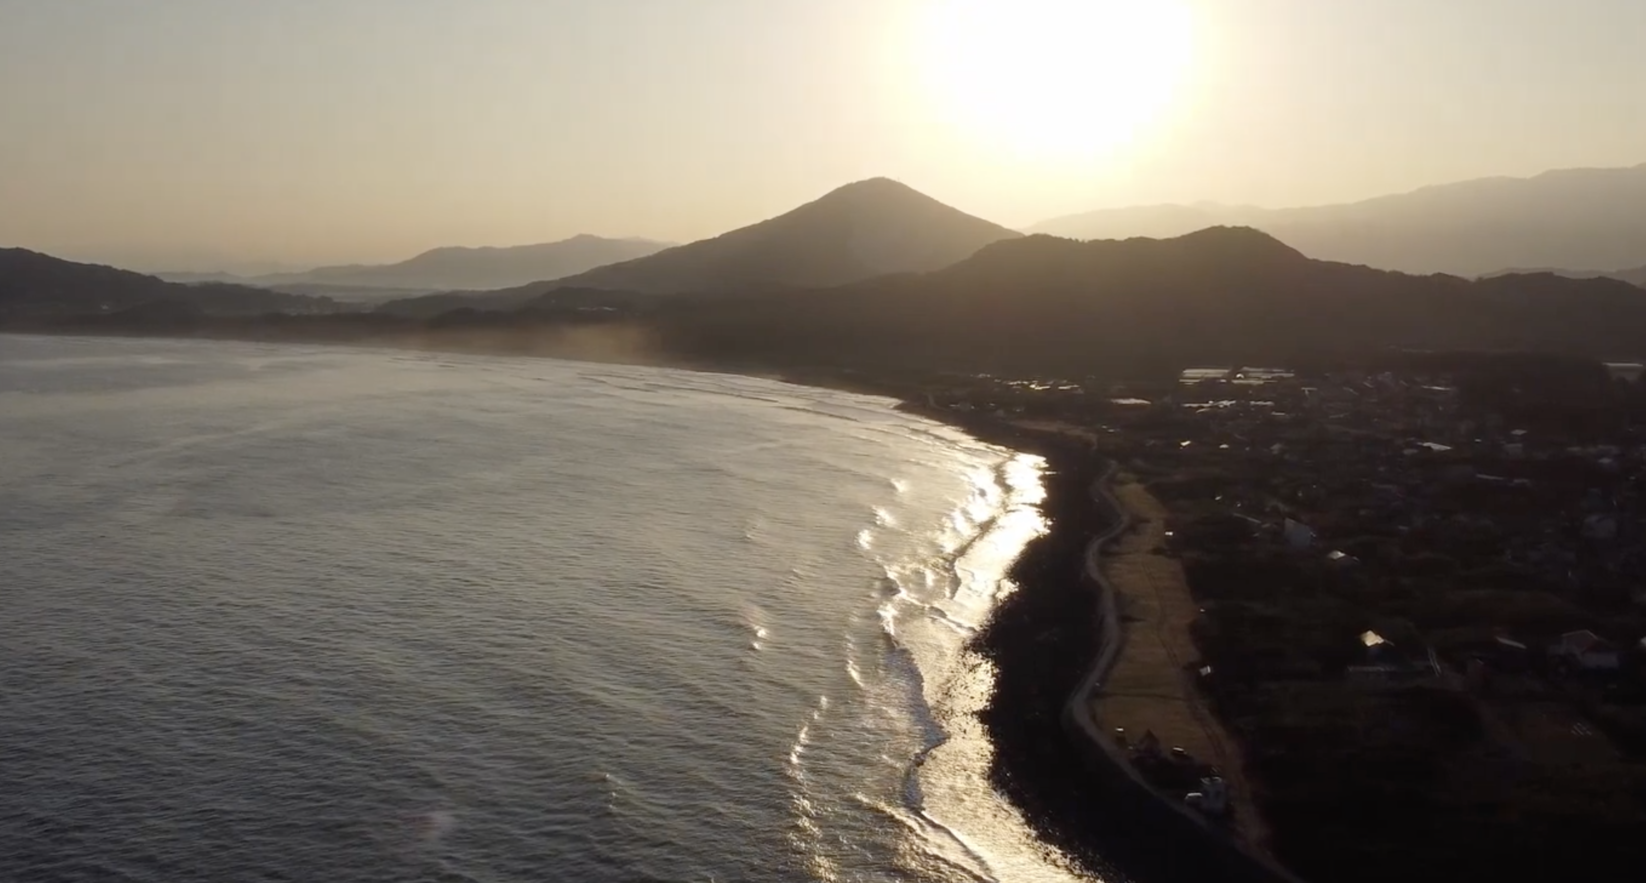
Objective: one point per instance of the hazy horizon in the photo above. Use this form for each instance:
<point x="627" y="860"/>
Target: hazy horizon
<point x="226" y="134"/>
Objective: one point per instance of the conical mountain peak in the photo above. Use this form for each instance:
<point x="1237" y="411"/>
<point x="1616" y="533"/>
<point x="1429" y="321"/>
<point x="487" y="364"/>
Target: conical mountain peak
<point x="864" y="229"/>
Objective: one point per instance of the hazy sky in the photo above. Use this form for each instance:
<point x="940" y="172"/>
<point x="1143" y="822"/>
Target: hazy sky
<point x="218" y="133"/>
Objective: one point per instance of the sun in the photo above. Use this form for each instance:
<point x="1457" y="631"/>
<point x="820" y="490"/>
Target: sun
<point x="1050" y="79"/>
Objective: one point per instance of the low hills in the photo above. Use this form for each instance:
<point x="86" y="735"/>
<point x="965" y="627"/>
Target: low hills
<point x="875" y="276"/>
<point x="34" y="285"/>
<point x="1564" y="218"/>
<point x="1636" y="276"/>
<point x="473" y="269"/>
<point x="867" y="229"/>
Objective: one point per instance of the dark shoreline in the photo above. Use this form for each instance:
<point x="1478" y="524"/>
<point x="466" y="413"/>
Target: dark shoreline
<point x="1042" y="639"/>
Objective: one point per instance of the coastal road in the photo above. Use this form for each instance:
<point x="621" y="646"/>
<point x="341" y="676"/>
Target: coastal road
<point x="1080" y="702"/>
<point x="1158" y="685"/>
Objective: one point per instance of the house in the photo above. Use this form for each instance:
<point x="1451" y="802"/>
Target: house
<point x="1384" y="663"/>
<point x="1340" y="558"/>
<point x="1587" y="651"/>
<point x="1298" y="535"/>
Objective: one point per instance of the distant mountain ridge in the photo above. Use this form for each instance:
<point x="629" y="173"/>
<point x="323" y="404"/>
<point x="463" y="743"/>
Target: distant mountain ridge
<point x="37" y="285"/>
<point x="1217" y="296"/>
<point x="1563" y="218"/>
<point x="1026" y="305"/>
<point x="456" y="268"/>
<point x="859" y="231"/>
<point x="1636" y="276"/>
<point x="875" y="275"/>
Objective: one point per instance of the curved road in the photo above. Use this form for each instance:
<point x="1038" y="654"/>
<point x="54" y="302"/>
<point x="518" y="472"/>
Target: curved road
<point x="1077" y="711"/>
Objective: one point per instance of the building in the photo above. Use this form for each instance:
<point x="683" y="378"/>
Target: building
<point x="1587" y="651"/>
<point x="1299" y="535"/>
<point x="1384" y="664"/>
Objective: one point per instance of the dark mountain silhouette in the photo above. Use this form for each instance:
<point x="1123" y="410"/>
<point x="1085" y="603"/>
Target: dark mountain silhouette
<point x="429" y="305"/>
<point x="1218" y="296"/>
<point x="449" y="269"/>
<point x="356" y="294"/>
<point x="1637" y="276"/>
<point x="36" y="285"/>
<point x="859" y="231"/>
<point x="1029" y="305"/>
<point x="1569" y="218"/>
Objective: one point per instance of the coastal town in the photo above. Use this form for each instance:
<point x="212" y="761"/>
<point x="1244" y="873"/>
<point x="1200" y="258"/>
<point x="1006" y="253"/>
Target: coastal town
<point x="1374" y="617"/>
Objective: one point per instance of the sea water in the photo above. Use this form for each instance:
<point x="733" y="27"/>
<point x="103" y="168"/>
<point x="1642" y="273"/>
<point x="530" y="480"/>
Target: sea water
<point x="326" y="614"/>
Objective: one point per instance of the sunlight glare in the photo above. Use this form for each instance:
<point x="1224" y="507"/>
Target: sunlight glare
<point x="1050" y="79"/>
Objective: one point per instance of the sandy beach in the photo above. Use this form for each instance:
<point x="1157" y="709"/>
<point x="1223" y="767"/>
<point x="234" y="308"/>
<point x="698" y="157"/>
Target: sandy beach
<point x="1150" y="687"/>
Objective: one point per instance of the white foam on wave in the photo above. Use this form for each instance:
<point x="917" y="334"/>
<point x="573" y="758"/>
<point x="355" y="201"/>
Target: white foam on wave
<point x="946" y="846"/>
<point x="754" y="619"/>
<point x="807" y="837"/>
<point x="855" y="673"/>
<point x="853" y="669"/>
<point x="947" y="586"/>
<point x="961" y="627"/>
<point x="888" y="619"/>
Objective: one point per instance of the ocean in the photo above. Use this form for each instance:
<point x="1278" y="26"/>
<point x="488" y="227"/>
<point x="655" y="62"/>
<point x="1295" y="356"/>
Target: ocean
<point x="295" y="613"/>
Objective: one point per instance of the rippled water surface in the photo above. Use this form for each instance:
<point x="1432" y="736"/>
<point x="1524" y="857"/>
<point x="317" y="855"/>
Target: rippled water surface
<point x="330" y="615"/>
